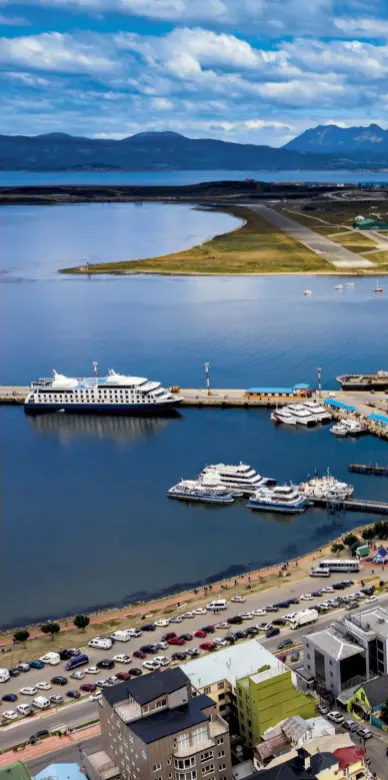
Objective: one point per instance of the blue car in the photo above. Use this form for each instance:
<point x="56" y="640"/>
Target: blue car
<point x="36" y="664"/>
<point x="9" y="697"/>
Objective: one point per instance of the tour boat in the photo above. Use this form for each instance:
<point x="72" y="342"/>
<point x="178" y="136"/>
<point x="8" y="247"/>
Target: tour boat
<point x="194" y="490"/>
<point x="112" y="394"/>
<point x="354" y="427"/>
<point x="319" y="412"/>
<point x="283" y="416"/>
<point x="339" y="429"/>
<point x="241" y="479"/>
<point x="326" y="487"/>
<point x="301" y="414"/>
<point x="282" y="498"/>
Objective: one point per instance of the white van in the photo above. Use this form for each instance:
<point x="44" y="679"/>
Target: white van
<point x="101" y="643"/>
<point x="4" y="675"/>
<point x="24" y="709"/>
<point x="122" y="636"/>
<point x="50" y="658"/>
<point x="220" y="604"/>
<point x="41" y="703"/>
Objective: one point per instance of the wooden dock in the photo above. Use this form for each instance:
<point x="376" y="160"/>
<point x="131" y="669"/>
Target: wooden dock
<point x="369" y="469"/>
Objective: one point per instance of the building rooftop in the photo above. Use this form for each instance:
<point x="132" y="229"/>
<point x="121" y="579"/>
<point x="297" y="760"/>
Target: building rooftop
<point x="61" y="772"/>
<point x="16" y="771"/>
<point x="373" y="620"/>
<point x="243" y="770"/>
<point x="376" y="690"/>
<point x="166" y="722"/>
<point x="147" y="688"/>
<point x="294" y="768"/>
<point x="333" y="644"/>
<point x="348" y="756"/>
<point x="231" y="664"/>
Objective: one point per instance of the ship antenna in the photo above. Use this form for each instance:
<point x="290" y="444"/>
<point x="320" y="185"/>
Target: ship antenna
<point x="95" y="368"/>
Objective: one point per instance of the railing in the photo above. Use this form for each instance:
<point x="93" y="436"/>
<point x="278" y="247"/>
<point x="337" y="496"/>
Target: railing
<point x="360" y="678"/>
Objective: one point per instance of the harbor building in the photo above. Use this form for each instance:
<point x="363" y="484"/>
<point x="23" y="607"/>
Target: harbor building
<point x="266" y="698"/>
<point x="216" y="674"/>
<point x="154" y="728"/>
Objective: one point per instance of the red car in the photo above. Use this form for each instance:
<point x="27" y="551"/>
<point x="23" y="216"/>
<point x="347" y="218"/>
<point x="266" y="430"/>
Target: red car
<point x="123" y="676"/>
<point x="139" y="654"/>
<point x="200" y="633"/>
<point x="175" y="640"/>
<point x="169" y="635"/>
<point x="207" y="646"/>
<point x="88" y="687"/>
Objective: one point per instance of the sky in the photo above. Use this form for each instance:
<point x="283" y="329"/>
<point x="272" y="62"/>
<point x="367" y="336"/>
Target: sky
<point x="252" y="71"/>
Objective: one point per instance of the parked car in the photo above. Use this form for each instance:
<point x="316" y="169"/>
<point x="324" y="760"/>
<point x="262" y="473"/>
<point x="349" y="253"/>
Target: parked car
<point x="252" y="631"/>
<point x="241" y="634"/>
<point x="273" y="631"/>
<point x="92" y="670"/>
<point x="169" y="635"/>
<point x="192" y="651"/>
<point x="220" y="642"/>
<point x="59" y="680"/>
<point x="77" y="675"/>
<point x="56" y="699"/>
<point x="187" y="637"/>
<point x="271" y="608"/>
<point x="134" y="632"/>
<point x="207" y="646"/>
<point x="23" y="667"/>
<point x="36" y="664"/>
<point x="259" y="612"/>
<point x="221" y="625"/>
<point x="88" y="687"/>
<point x="123" y="676"/>
<point x="14" y="671"/>
<point x="28" y="691"/>
<point x="39" y="734"/>
<point x="149" y="649"/>
<point x="101" y="643"/>
<point x="161" y="623"/>
<point x="176" y="640"/>
<point x="65" y="655"/>
<point x="365" y="733"/>
<point x="238" y="599"/>
<point x="151" y="665"/>
<point x="323" y="708"/>
<point x="9" y="697"/>
<point x="43" y="686"/>
<point x="230" y="638"/>
<point x="200" y="611"/>
<point x="95" y="696"/>
<point x="74" y="651"/>
<point x="161" y="645"/>
<point x="122" y="658"/>
<point x="106" y="663"/>
<point x="279" y="622"/>
<point x="284" y="643"/>
<point x="148" y="627"/>
<point x="246" y="615"/>
<point x="189" y="615"/>
<point x="263" y="626"/>
<point x="138" y="654"/>
<point x="208" y="629"/>
<point x="200" y="634"/>
<point x="162" y="660"/>
<point x="350" y="725"/>
<point x="179" y="656"/>
<point x="135" y="672"/>
<point x="176" y="619"/>
<point x="236" y="620"/>
<point x="294" y="656"/>
<point x="24" y="709"/>
<point x="282" y="604"/>
<point x="10" y="715"/>
<point x="335" y="716"/>
<point x="371" y="599"/>
<point x="73" y="694"/>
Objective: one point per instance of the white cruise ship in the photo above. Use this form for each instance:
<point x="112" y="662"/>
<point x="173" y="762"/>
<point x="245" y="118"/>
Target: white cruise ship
<point x="112" y="394"/>
<point x="326" y="487"/>
<point x="195" y="490"/>
<point x="282" y="498"/>
<point x="241" y="479"/>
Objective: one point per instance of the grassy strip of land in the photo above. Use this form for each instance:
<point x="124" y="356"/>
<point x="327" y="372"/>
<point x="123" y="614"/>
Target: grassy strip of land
<point x="380" y="258"/>
<point x="354" y="241"/>
<point x="257" y="247"/>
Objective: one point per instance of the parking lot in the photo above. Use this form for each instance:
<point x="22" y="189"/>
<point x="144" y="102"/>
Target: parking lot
<point x="215" y="632"/>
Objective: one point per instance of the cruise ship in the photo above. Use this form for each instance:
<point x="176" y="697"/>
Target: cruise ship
<point x="241" y="479"/>
<point x="282" y="498"/>
<point x="378" y="381"/>
<point x="194" y="490"/>
<point x="302" y="415"/>
<point x="319" y="412"/>
<point x="326" y="487"/>
<point x="112" y="394"/>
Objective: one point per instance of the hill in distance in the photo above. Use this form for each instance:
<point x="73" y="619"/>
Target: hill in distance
<point x="166" y="151"/>
<point x="331" y="139"/>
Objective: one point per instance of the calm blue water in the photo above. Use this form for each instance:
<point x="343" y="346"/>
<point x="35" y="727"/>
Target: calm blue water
<point x="14" y="178"/>
<point x="86" y="521"/>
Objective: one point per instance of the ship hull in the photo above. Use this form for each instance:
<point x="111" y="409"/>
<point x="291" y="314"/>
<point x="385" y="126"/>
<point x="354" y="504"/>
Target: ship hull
<point x="201" y="499"/>
<point x="124" y="409"/>
<point x="289" y="510"/>
<point x="368" y="383"/>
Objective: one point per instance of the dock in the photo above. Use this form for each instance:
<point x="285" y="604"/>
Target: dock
<point x="353" y="505"/>
<point x="12" y="395"/>
<point x="369" y="469"/>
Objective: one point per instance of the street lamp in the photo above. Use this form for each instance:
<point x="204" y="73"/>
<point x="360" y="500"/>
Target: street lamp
<point x="319" y="382"/>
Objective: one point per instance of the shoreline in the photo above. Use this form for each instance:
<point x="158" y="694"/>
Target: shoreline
<point x="299" y="565"/>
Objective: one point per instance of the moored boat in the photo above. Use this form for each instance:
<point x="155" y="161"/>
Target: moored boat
<point x="282" y="415"/>
<point x="241" y="478"/>
<point x="194" y="490"/>
<point x="339" y="430"/>
<point x="326" y="487"/>
<point x="282" y="498"/>
<point x="319" y="412"/>
<point x="301" y="415"/>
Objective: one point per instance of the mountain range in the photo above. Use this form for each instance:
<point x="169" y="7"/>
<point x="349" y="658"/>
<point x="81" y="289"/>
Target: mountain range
<point x="329" y="147"/>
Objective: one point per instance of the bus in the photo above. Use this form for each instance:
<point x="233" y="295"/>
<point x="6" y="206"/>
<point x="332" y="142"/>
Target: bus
<point x="340" y="565"/>
<point x="78" y="660"/>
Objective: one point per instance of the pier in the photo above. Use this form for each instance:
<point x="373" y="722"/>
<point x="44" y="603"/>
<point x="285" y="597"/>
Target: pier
<point x="370" y="469"/>
<point x="353" y="505"/>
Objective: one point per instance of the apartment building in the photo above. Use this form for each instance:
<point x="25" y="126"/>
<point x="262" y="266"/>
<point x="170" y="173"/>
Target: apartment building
<point x="153" y="728"/>
<point x="216" y="674"/>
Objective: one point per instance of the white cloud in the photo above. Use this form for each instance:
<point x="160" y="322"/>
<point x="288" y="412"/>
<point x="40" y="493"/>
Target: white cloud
<point x="28" y="79"/>
<point x="363" y="28"/>
<point x="162" y="104"/>
<point x="56" y="52"/>
<point x="13" y="21"/>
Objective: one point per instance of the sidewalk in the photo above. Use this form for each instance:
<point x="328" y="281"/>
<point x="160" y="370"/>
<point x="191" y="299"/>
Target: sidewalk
<point x="48" y="745"/>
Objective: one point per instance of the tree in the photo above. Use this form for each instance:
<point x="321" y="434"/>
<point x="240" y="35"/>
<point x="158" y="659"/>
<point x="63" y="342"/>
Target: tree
<point x="337" y="547"/>
<point x="50" y="628"/>
<point x="81" y="622"/>
<point x="384" y="712"/>
<point x="21" y="635"/>
<point x="368" y="533"/>
<point x="350" y="540"/>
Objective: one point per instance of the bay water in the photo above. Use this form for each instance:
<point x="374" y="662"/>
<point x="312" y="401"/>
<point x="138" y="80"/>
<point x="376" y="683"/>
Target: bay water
<point x="86" y="520"/>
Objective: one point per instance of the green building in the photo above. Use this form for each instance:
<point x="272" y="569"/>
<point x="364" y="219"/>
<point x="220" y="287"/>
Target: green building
<point x="370" y="224"/>
<point x="16" y="771"/>
<point x="266" y="698"/>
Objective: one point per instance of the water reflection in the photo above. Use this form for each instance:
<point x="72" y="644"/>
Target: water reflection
<point x="115" y="427"/>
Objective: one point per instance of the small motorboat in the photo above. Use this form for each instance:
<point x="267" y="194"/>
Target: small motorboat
<point x="339" y="430"/>
<point x="308" y="292"/>
<point x="350" y="284"/>
<point x="378" y="289"/>
<point x="339" y="287"/>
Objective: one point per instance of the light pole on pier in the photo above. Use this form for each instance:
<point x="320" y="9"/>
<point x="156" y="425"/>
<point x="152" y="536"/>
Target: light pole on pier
<point x="95" y="367"/>
<point x="207" y="378"/>
<point x="319" y="382"/>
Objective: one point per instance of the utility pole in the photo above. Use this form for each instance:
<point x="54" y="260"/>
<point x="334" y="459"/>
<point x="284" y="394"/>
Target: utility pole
<point x="95" y="368"/>
<point x="207" y="378"/>
<point x="319" y="382"/>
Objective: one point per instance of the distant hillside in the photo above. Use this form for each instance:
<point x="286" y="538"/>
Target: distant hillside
<point x="156" y="151"/>
<point x="357" y="142"/>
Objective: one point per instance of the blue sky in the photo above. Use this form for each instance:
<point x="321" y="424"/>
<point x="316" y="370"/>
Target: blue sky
<point x="254" y="71"/>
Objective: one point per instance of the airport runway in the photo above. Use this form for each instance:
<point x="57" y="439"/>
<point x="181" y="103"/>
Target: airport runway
<point x="328" y="250"/>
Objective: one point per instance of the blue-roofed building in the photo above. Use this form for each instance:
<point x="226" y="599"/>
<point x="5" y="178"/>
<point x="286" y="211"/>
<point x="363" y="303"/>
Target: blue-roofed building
<point x="154" y="726"/>
<point x="381" y="556"/>
<point x="61" y="772"/>
<point x="340" y="405"/>
<point x="382" y="419"/>
<point x="290" y="392"/>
